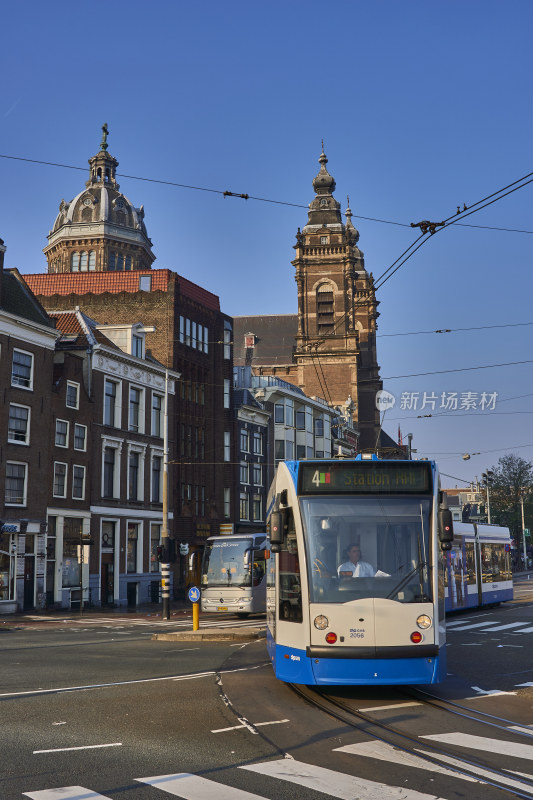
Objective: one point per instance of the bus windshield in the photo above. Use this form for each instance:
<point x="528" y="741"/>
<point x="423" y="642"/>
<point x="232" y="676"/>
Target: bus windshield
<point x="361" y="547"/>
<point x="227" y="563"/>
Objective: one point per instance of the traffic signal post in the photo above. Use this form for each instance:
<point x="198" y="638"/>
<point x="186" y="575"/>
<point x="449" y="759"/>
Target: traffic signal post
<point x="165" y="565"/>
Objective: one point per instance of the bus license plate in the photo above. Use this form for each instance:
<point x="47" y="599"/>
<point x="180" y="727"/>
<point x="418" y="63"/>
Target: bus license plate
<point x="222" y="608"/>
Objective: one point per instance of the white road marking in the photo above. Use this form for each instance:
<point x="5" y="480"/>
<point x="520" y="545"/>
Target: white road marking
<point x="66" y="793"/>
<point x="505" y="627"/>
<point x="474" y="625"/>
<point x="83" y="747"/>
<point x="386" y="752"/>
<point x="500" y="746"/>
<point x="194" y="787"/>
<point x="521" y="729"/>
<point x="393" y="706"/>
<point x="332" y="783"/>
<point x="255" y="725"/>
<point x="487" y="692"/>
<point x="525" y="630"/>
<point x="484" y="773"/>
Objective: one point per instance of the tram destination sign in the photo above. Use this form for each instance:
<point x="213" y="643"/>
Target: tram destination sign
<point x="365" y="477"/>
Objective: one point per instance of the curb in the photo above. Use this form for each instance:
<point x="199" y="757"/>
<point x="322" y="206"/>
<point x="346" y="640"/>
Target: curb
<point x="213" y="635"/>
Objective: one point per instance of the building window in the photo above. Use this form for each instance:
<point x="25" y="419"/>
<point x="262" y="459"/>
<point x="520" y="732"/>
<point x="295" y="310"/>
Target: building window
<point x="157" y="415"/>
<point x="323" y="201"/>
<point x="133" y="544"/>
<point x="135" y="410"/>
<point x="227" y="342"/>
<point x="84" y="261"/>
<point x="258" y="474"/>
<point x="257" y="507"/>
<point x="73" y="395"/>
<point x="244" y="507"/>
<point x="60" y="479"/>
<point x="78" y="482"/>
<point x="300" y="452"/>
<point x="300" y="420"/>
<point x="155" y="538"/>
<point x="227" y="503"/>
<point x="92" y="261"/>
<point x="112" y="261"/>
<point x="289" y="450"/>
<point x="325" y="309"/>
<point x="108" y="489"/>
<point x="245" y="440"/>
<point x="137" y="348"/>
<point x="127" y="263"/>
<point x="61" y="433"/>
<point x="133" y="476"/>
<point x="319" y="426"/>
<point x="279" y="413"/>
<point x="22" y="369"/>
<point x="75" y="262"/>
<point x="110" y="403"/>
<point x="258" y="443"/>
<point x="80" y="437"/>
<point x="145" y="283"/>
<point x="226" y="392"/>
<point x="324" y="240"/>
<point x="244" y="473"/>
<point x="279" y="449"/>
<point x="18" y="427"/>
<point x="157" y="475"/>
<point x="227" y="446"/>
<point x="16" y="484"/>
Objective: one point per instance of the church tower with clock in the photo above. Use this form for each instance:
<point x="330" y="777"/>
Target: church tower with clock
<point x="100" y="230"/>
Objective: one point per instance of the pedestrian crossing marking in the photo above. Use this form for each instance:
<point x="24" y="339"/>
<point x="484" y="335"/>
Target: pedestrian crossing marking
<point x="386" y="752"/>
<point x="66" y="793"/>
<point x="483" y="743"/>
<point x="194" y="787"/>
<point x="332" y="783"/>
<point x="485" y="773"/>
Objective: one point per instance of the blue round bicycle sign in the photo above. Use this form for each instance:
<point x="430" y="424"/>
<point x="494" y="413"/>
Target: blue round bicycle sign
<point x="194" y="594"/>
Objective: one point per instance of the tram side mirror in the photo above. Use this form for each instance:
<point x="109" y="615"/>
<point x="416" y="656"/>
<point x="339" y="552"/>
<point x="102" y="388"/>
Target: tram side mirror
<point x="277" y="520"/>
<point x="445" y="528"/>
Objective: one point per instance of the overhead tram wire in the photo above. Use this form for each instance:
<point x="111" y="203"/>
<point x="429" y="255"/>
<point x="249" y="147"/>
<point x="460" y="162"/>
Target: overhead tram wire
<point x="455" y="330"/>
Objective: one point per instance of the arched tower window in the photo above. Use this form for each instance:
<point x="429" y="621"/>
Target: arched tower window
<point x="99" y="174"/>
<point x="112" y="260"/>
<point x="325" y="309"/>
<point x="75" y="262"/>
<point x="127" y="265"/>
<point x="84" y="261"/>
<point x="92" y="261"/>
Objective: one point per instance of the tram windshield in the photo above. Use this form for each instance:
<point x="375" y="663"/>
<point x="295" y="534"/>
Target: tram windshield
<point x="367" y="547"/>
<point x="227" y="562"/>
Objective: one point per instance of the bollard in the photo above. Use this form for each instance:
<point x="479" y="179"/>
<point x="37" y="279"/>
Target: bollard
<point x="194" y="597"/>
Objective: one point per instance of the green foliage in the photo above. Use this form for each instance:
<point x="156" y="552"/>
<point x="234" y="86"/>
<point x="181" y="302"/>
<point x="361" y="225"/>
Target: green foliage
<point x="512" y="482"/>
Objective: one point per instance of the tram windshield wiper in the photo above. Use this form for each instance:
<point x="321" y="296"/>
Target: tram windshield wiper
<point x="419" y="568"/>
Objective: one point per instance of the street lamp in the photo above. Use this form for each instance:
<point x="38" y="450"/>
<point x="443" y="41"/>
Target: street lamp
<point x="486" y="480"/>
<point x="165" y="566"/>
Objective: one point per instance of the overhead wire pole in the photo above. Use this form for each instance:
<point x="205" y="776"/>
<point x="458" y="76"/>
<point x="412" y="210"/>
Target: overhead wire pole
<point x="165" y="565"/>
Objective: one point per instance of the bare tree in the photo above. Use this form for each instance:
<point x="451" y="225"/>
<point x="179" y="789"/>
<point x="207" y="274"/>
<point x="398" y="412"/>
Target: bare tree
<point x="512" y="480"/>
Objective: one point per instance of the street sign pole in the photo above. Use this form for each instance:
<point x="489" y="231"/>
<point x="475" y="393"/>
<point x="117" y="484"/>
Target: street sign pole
<point x="194" y="597"/>
<point x="165" y="565"/>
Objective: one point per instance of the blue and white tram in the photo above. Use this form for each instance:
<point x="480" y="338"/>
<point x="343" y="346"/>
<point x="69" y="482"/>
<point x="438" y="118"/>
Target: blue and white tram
<point x="335" y="623"/>
<point x="234" y="574"/>
<point x="478" y="567"/>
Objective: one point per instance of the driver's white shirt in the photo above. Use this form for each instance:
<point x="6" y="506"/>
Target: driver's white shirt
<point x="360" y="570"/>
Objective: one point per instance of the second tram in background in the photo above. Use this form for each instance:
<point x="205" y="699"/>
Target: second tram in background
<point x="234" y="574"/>
<point x="478" y="567"/>
<point x="355" y="591"/>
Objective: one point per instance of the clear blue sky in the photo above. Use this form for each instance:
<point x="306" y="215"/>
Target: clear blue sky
<point x="422" y="107"/>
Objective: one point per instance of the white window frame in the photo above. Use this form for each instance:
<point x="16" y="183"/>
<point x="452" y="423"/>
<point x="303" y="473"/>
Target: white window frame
<point x="65" y="477"/>
<point x="26" y="440"/>
<point x="117" y="416"/>
<point x="156" y="454"/>
<point x="227" y="446"/>
<point x="84" y="448"/>
<point x="227" y="390"/>
<point x="15" y="383"/>
<point x="160" y="414"/>
<point x="227" y="503"/>
<point x="140" y="427"/>
<point x="115" y="445"/>
<point x="25" y="488"/>
<point x="84" y="475"/>
<point x="76" y="386"/>
<point x="141" y="452"/>
<point x="258" y="443"/>
<point x="67" y="435"/>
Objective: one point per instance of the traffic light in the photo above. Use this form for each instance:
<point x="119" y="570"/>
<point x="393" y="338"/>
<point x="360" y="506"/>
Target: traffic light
<point x="487" y="477"/>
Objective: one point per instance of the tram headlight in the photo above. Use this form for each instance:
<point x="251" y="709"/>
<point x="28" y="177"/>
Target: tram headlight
<point x="321" y="622"/>
<point x="423" y="621"/>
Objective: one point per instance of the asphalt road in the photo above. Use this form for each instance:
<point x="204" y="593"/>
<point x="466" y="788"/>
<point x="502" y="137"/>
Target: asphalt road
<point x="97" y="706"/>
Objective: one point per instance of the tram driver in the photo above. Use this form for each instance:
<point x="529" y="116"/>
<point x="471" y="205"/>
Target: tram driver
<point x="355" y="567"/>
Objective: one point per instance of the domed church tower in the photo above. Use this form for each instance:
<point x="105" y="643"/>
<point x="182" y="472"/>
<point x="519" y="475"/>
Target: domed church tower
<point x="100" y="230"/>
<point x="337" y="311"/>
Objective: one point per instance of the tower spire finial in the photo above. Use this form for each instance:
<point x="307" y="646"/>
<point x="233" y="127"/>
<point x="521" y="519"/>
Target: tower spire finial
<point x="105" y="132"/>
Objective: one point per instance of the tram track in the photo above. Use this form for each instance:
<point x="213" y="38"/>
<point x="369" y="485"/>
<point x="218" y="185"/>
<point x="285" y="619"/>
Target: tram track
<point x="437" y="755"/>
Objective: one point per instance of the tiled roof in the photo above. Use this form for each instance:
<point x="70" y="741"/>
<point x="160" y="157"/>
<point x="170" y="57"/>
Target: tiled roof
<point x="275" y="339"/>
<point x="79" y="283"/>
<point x="18" y="299"/>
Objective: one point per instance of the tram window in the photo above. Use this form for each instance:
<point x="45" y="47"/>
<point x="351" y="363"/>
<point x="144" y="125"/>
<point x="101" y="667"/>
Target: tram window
<point x="290" y="587"/>
<point x="470" y="563"/>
